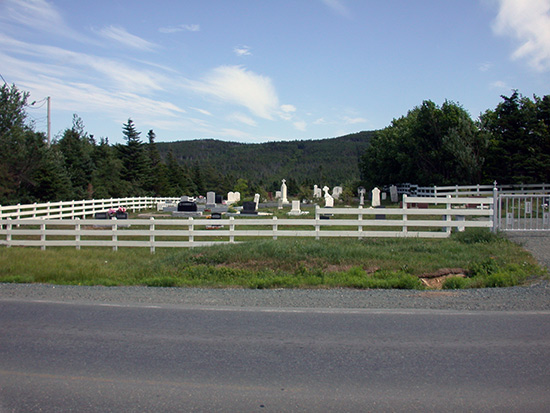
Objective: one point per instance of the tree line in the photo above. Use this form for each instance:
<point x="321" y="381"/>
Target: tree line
<point x="431" y="145"/>
<point x="442" y="145"/>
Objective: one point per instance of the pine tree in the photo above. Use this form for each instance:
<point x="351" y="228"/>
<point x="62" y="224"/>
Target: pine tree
<point x="136" y="166"/>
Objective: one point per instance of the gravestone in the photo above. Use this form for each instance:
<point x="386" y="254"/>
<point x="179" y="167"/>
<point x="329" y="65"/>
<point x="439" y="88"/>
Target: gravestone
<point x="394" y="196"/>
<point x="362" y="191"/>
<point x="230" y="198"/>
<point x="295" y="208"/>
<point x="284" y="192"/>
<point x="237" y="196"/>
<point x="317" y="193"/>
<point x="210" y="198"/>
<point x="277" y="194"/>
<point x="184" y="198"/>
<point x="187" y="206"/>
<point x="329" y="201"/>
<point x="219" y="199"/>
<point x="249" y="208"/>
<point x="337" y="191"/>
<point x="375" y="197"/>
<point x="257" y="200"/>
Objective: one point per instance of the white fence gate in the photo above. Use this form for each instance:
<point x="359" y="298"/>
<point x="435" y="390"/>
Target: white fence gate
<point x="523" y="212"/>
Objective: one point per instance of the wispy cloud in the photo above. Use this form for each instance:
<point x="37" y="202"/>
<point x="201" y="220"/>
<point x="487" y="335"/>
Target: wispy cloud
<point x="499" y="84"/>
<point x="37" y="15"/>
<point x="353" y="121"/>
<point x="242" y="118"/>
<point x="235" y="84"/>
<point x="120" y="35"/>
<point x="180" y="28"/>
<point x="339" y="7"/>
<point x="300" y="125"/>
<point x="242" y="50"/>
<point x="528" y="21"/>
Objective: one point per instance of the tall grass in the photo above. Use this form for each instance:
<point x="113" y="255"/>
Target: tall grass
<point x="490" y="261"/>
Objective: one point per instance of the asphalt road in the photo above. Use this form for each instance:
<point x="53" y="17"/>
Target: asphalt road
<point x="100" y="358"/>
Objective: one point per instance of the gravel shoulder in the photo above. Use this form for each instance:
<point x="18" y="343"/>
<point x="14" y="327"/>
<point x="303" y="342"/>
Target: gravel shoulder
<point x="535" y="297"/>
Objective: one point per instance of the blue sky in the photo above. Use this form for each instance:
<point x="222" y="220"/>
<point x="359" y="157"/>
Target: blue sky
<point x="267" y="70"/>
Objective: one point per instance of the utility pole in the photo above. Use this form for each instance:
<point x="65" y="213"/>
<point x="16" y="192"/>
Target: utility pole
<point x="49" y="122"/>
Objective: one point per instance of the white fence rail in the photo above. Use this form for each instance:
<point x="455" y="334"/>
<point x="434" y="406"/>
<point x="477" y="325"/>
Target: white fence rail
<point x="418" y="217"/>
<point x="81" y="209"/>
<point x="471" y="190"/>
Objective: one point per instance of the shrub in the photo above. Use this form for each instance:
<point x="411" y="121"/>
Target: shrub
<point x="454" y="283"/>
<point x="476" y="235"/>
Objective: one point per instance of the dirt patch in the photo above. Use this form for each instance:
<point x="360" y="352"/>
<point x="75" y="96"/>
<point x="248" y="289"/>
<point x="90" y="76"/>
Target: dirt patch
<point x="435" y="280"/>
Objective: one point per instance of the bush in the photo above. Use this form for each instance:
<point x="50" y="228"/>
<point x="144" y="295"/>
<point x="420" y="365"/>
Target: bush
<point x="454" y="283"/>
<point x="475" y="236"/>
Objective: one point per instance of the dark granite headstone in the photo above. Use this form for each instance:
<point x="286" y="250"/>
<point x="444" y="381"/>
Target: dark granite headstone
<point x="249" y="207"/>
<point x="101" y="215"/>
<point x="186" y="206"/>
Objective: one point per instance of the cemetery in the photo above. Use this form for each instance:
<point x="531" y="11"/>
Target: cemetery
<point x="188" y="221"/>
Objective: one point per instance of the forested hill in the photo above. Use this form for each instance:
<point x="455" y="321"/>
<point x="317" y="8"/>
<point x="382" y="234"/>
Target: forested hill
<point x="333" y="161"/>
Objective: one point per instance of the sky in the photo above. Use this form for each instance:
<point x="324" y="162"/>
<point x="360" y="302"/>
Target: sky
<point x="267" y="70"/>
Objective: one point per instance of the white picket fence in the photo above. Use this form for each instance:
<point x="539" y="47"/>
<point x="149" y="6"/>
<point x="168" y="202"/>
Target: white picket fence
<point x="417" y="217"/>
<point x="81" y="209"/>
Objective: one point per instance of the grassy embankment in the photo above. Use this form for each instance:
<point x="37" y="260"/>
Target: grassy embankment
<point x="487" y="260"/>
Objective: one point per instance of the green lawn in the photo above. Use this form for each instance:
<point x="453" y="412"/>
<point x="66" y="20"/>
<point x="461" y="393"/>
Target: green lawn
<point x="488" y="261"/>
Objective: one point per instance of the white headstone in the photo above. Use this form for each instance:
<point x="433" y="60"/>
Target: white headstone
<point x="230" y="198"/>
<point x="317" y="193"/>
<point x="277" y="194"/>
<point x="329" y="201"/>
<point x="337" y="191"/>
<point x="384" y="196"/>
<point x="362" y="191"/>
<point x="210" y="198"/>
<point x="393" y="194"/>
<point x="283" y="192"/>
<point x="257" y="200"/>
<point x="326" y="189"/>
<point x="295" y="208"/>
<point x="376" y="197"/>
<point x="237" y="196"/>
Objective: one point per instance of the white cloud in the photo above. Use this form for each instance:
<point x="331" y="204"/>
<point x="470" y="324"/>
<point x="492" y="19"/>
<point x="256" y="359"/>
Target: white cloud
<point x="242" y="118"/>
<point x="339" y="7"/>
<point x="203" y="111"/>
<point x="235" y="84"/>
<point x="180" y="28"/>
<point x="242" y="50"/>
<point x="528" y="21"/>
<point x="353" y="121"/>
<point x="37" y="15"/>
<point x="120" y="35"/>
<point x="485" y="67"/>
<point x="300" y="125"/>
<point x="499" y="84"/>
<point x="287" y="112"/>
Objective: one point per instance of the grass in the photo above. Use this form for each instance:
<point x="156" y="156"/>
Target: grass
<point x="488" y="260"/>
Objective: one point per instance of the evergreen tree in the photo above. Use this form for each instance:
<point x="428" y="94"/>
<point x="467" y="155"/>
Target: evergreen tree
<point x="77" y="149"/>
<point x="135" y="162"/>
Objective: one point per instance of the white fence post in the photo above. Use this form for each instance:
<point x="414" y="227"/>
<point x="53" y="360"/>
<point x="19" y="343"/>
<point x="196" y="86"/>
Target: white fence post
<point x="317" y="219"/>
<point x="405" y="229"/>
<point x="360" y="219"/>
<point x="115" y="234"/>
<point x="152" y="234"/>
<point x="496" y="209"/>
<point x="275" y="227"/>
<point x="191" y="228"/>
<point x="231" y="230"/>
<point x="77" y="230"/>
<point x="448" y="218"/>
<point x="8" y="234"/>
<point x="43" y="236"/>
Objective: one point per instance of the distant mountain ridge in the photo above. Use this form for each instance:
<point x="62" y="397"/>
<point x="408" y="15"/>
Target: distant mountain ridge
<point x="325" y="161"/>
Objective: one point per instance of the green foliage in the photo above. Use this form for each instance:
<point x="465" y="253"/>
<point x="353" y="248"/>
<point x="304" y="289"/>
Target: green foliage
<point x="430" y="146"/>
<point x="475" y="235"/>
<point x="519" y="151"/>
